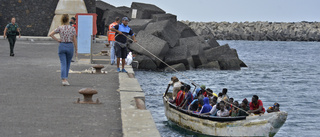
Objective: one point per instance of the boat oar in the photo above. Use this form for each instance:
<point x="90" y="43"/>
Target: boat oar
<point x="166" y="90"/>
<point x="195" y="87"/>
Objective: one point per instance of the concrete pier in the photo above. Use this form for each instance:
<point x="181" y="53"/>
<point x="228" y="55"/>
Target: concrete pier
<point x="34" y="103"/>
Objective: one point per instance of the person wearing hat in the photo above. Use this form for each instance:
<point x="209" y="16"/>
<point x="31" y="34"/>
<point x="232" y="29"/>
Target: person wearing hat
<point x="176" y="86"/>
<point x="122" y="31"/>
<point x="274" y="108"/>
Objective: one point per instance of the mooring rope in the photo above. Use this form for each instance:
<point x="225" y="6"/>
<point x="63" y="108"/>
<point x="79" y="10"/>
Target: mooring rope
<point x="180" y="72"/>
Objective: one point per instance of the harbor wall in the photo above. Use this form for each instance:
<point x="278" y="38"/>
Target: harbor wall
<point x="33" y="16"/>
<point x="259" y="31"/>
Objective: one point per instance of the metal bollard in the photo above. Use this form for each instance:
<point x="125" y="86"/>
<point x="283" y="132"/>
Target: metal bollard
<point x="87" y="96"/>
<point x="98" y="68"/>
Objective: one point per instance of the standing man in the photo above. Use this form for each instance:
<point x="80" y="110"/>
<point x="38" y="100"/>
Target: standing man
<point x="111" y="36"/>
<point x="73" y="24"/>
<point x="13" y="30"/>
<point x="121" y="41"/>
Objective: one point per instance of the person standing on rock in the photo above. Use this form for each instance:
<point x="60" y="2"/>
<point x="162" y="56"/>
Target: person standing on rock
<point x="111" y="36"/>
<point x="122" y="31"/>
<point x="68" y="44"/>
<point x="11" y="31"/>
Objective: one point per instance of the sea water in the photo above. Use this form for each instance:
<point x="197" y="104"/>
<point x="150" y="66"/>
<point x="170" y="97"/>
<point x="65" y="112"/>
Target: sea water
<point x="283" y="72"/>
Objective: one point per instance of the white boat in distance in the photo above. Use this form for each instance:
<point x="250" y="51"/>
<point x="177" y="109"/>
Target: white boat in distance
<point x="267" y="124"/>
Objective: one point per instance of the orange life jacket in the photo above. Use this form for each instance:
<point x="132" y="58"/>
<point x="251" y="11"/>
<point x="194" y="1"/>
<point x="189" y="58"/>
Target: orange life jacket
<point x="112" y="34"/>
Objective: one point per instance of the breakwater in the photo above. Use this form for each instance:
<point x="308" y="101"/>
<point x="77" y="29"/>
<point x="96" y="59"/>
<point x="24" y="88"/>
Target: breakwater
<point x="259" y="31"/>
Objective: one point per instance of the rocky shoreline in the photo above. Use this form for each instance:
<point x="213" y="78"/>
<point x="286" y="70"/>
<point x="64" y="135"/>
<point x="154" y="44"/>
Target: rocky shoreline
<point x="170" y="40"/>
<point x="258" y="31"/>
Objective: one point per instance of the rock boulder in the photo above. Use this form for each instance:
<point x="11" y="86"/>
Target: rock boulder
<point x="195" y="46"/>
<point x="139" y="24"/>
<point x="227" y="57"/>
<point x="164" y="30"/>
<point x="145" y="62"/>
<point x="176" y="55"/>
<point x="161" y="17"/>
<point x="211" y="65"/>
<point x="155" y="45"/>
<point x="184" y="30"/>
<point x="178" y="67"/>
<point x="144" y="11"/>
<point x="110" y="16"/>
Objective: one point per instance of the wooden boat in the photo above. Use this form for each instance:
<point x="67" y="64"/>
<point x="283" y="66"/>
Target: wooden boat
<point x="267" y="124"/>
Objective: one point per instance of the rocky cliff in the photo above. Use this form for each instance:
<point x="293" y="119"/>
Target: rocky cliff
<point x="272" y="31"/>
<point x="170" y="40"/>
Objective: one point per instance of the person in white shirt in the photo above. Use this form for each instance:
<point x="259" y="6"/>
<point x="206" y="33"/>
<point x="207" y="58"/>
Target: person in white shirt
<point x="223" y="112"/>
<point x="176" y="86"/>
<point x="219" y="97"/>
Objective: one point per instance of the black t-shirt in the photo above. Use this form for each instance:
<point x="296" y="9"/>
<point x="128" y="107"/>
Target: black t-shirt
<point x="126" y="30"/>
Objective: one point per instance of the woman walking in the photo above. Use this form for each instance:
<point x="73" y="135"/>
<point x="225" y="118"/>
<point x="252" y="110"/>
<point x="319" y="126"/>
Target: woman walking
<point x="68" y="44"/>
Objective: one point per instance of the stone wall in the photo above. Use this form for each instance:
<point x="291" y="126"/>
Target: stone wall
<point x="272" y="31"/>
<point x="91" y="5"/>
<point x="33" y="16"/>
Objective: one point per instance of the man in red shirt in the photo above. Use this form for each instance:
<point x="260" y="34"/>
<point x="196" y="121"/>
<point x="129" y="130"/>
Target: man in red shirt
<point x="180" y="96"/>
<point x="256" y="106"/>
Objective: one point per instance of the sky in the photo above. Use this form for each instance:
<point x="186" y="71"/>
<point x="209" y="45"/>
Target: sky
<point x="236" y="10"/>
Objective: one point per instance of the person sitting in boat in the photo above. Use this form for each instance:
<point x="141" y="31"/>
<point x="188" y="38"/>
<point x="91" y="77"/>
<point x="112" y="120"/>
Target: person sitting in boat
<point x="213" y="111"/>
<point x="256" y="105"/>
<point x="244" y="106"/>
<point x="274" y="108"/>
<point x="214" y="100"/>
<point x="219" y="97"/>
<point x="180" y="96"/>
<point x="229" y="104"/>
<point x="235" y="109"/>
<point x="206" y="106"/>
<point x="188" y="98"/>
<point x="209" y="93"/>
<point x="223" y="112"/>
<point x="203" y="91"/>
<point x="196" y="104"/>
<point x="225" y="97"/>
<point x="176" y="86"/>
<point x="197" y="92"/>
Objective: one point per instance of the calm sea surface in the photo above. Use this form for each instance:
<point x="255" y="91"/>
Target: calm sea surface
<point x="283" y="72"/>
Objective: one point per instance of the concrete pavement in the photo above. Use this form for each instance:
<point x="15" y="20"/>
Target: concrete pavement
<point x="33" y="102"/>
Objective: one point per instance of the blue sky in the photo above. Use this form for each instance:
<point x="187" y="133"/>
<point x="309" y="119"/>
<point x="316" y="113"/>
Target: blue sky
<point x="236" y="10"/>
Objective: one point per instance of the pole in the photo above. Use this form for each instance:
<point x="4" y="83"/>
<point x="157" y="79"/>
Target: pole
<point x="91" y="60"/>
